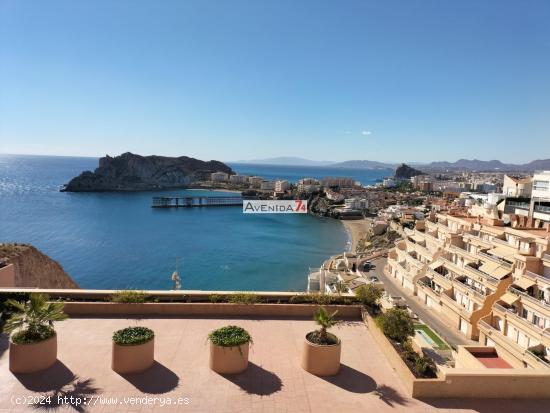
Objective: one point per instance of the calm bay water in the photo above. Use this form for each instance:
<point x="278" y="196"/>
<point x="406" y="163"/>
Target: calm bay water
<point x="116" y="240"/>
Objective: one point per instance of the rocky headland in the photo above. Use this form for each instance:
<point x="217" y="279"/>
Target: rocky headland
<point x="130" y="172"/>
<point x="22" y="265"/>
<point x="405" y="171"/>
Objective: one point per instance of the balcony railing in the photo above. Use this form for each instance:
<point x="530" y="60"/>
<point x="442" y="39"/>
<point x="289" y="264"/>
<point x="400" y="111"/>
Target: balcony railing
<point x="542" y="208"/>
<point x="536" y="358"/>
<point x="471" y="289"/>
<point x="462" y="310"/>
<point x="529" y="298"/>
<point x="443" y="280"/>
<point x="515" y="316"/>
<point x="536" y="277"/>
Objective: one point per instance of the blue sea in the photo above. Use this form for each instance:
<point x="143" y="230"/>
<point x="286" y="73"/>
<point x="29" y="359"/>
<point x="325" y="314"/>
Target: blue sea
<point x="117" y="241"/>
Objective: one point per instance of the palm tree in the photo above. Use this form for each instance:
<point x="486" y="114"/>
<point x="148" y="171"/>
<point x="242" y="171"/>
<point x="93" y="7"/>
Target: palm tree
<point x="326" y="320"/>
<point x="35" y="315"/>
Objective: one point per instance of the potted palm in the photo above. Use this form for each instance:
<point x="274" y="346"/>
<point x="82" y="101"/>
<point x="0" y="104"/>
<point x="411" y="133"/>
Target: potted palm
<point x="229" y="349"/>
<point x="133" y="350"/>
<point x="321" y="355"/>
<point x="33" y="342"/>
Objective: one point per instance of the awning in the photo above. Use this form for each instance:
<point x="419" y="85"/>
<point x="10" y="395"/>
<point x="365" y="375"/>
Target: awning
<point x="502" y="252"/>
<point x="509" y="298"/>
<point x="495" y="269"/>
<point x="524" y="283"/>
<point x="435" y="264"/>
<point x="489" y="267"/>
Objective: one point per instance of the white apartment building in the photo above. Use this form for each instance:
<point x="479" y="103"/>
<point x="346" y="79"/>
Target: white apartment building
<point x="356" y="203"/>
<point x="219" y="177"/>
<point x="281" y="186"/>
<point x="267" y="185"/>
<point x="238" y="179"/>
<point x="255" y="181"/>
<point x="517" y="186"/>
<point x="540" y="197"/>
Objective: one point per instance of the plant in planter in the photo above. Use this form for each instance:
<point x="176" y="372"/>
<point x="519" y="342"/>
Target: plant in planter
<point x="322" y="350"/>
<point x="229" y="349"/>
<point x="129" y="296"/>
<point x="33" y="342"/>
<point x="133" y="350"/>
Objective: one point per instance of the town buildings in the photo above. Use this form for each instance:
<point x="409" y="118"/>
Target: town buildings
<point x="489" y="281"/>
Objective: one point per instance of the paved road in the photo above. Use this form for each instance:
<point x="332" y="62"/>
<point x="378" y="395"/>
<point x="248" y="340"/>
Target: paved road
<point x="439" y="324"/>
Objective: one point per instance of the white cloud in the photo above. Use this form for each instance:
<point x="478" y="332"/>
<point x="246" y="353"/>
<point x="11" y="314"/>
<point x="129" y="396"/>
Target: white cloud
<point x="366" y="132"/>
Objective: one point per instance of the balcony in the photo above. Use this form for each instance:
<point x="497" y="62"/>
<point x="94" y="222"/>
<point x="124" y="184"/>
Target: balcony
<point x="498" y="337"/>
<point x="469" y="289"/>
<point x="445" y="282"/>
<point x="529" y="298"/>
<point x="515" y="316"/>
<point x="536" y="359"/>
<point x="477" y="273"/>
<point x="456" y="306"/>
<point x="496" y="259"/>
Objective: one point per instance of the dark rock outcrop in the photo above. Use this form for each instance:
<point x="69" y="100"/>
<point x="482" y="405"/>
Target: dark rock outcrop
<point x="129" y="172"/>
<point x="404" y="171"/>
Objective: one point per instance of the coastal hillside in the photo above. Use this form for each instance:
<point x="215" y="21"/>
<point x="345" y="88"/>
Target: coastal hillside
<point x="22" y="265"/>
<point x="130" y="172"/>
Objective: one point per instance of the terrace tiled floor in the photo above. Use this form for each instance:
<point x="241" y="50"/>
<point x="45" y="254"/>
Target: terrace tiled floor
<point x="274" y="381"/>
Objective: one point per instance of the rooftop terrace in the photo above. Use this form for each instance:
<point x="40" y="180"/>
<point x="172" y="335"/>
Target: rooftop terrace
<point x="273" y="382"/>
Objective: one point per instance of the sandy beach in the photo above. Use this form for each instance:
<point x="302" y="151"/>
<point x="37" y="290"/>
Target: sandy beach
<point x="357" y="229"/>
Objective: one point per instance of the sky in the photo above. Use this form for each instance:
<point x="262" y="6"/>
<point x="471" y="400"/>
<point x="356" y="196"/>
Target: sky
<point x="234" y="80"/>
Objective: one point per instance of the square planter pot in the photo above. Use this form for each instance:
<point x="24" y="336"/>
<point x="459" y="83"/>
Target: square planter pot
<point x="133" y="359"/>
<point x="30" y="358"/>
<point x="321" y="360"/>
<point x="229" y="360"/>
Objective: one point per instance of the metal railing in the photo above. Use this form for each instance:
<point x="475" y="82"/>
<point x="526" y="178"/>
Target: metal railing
<point x="471" y="289"/>
<point x="537" y="358"/>
<point x="532" y="299"/>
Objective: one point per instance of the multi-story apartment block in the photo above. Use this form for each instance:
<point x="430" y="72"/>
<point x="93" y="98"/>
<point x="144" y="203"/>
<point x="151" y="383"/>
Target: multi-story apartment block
<point x="490" y="281"/>
<point x="540" y="197"/>
<point x="517" y="186"/>
<point x="219" y="177"/>
<point x="238" y="179"/>
<point x="255" y="181"/>
<point x="281" y="186"/>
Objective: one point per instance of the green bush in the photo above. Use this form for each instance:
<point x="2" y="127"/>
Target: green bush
<point x="217" y="298"/>
<point x="32" y="321"/>
<point x="320" y="299"/>
<point x="129" y="296"/>
<point x="133" y="336"/>
<point x="243" y="298"/>
<point x="229" y="336"/>
<point x="396" y="324"/>
<point x="424" y="366"/>
<point x="369" y="295"/>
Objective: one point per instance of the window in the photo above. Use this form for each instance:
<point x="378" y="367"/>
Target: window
<point x="540" y="185"/>
<point x="536" y="319"/>
<point x="524" y="313"/>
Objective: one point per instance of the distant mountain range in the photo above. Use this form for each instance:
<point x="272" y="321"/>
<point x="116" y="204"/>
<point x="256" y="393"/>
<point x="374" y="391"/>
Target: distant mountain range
<point x="286" y="161"/>
<point x="461" y="164"/>
<point x="494" y="165"/>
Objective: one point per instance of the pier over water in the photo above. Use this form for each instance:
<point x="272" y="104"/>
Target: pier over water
<point x="195" y="201"/>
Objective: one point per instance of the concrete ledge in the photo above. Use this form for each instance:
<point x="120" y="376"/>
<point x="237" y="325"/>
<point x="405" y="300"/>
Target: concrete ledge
<point x="350" y="312"/>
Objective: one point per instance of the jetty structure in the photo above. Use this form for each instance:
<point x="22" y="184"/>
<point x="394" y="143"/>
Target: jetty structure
<point x="195" y="201"/>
